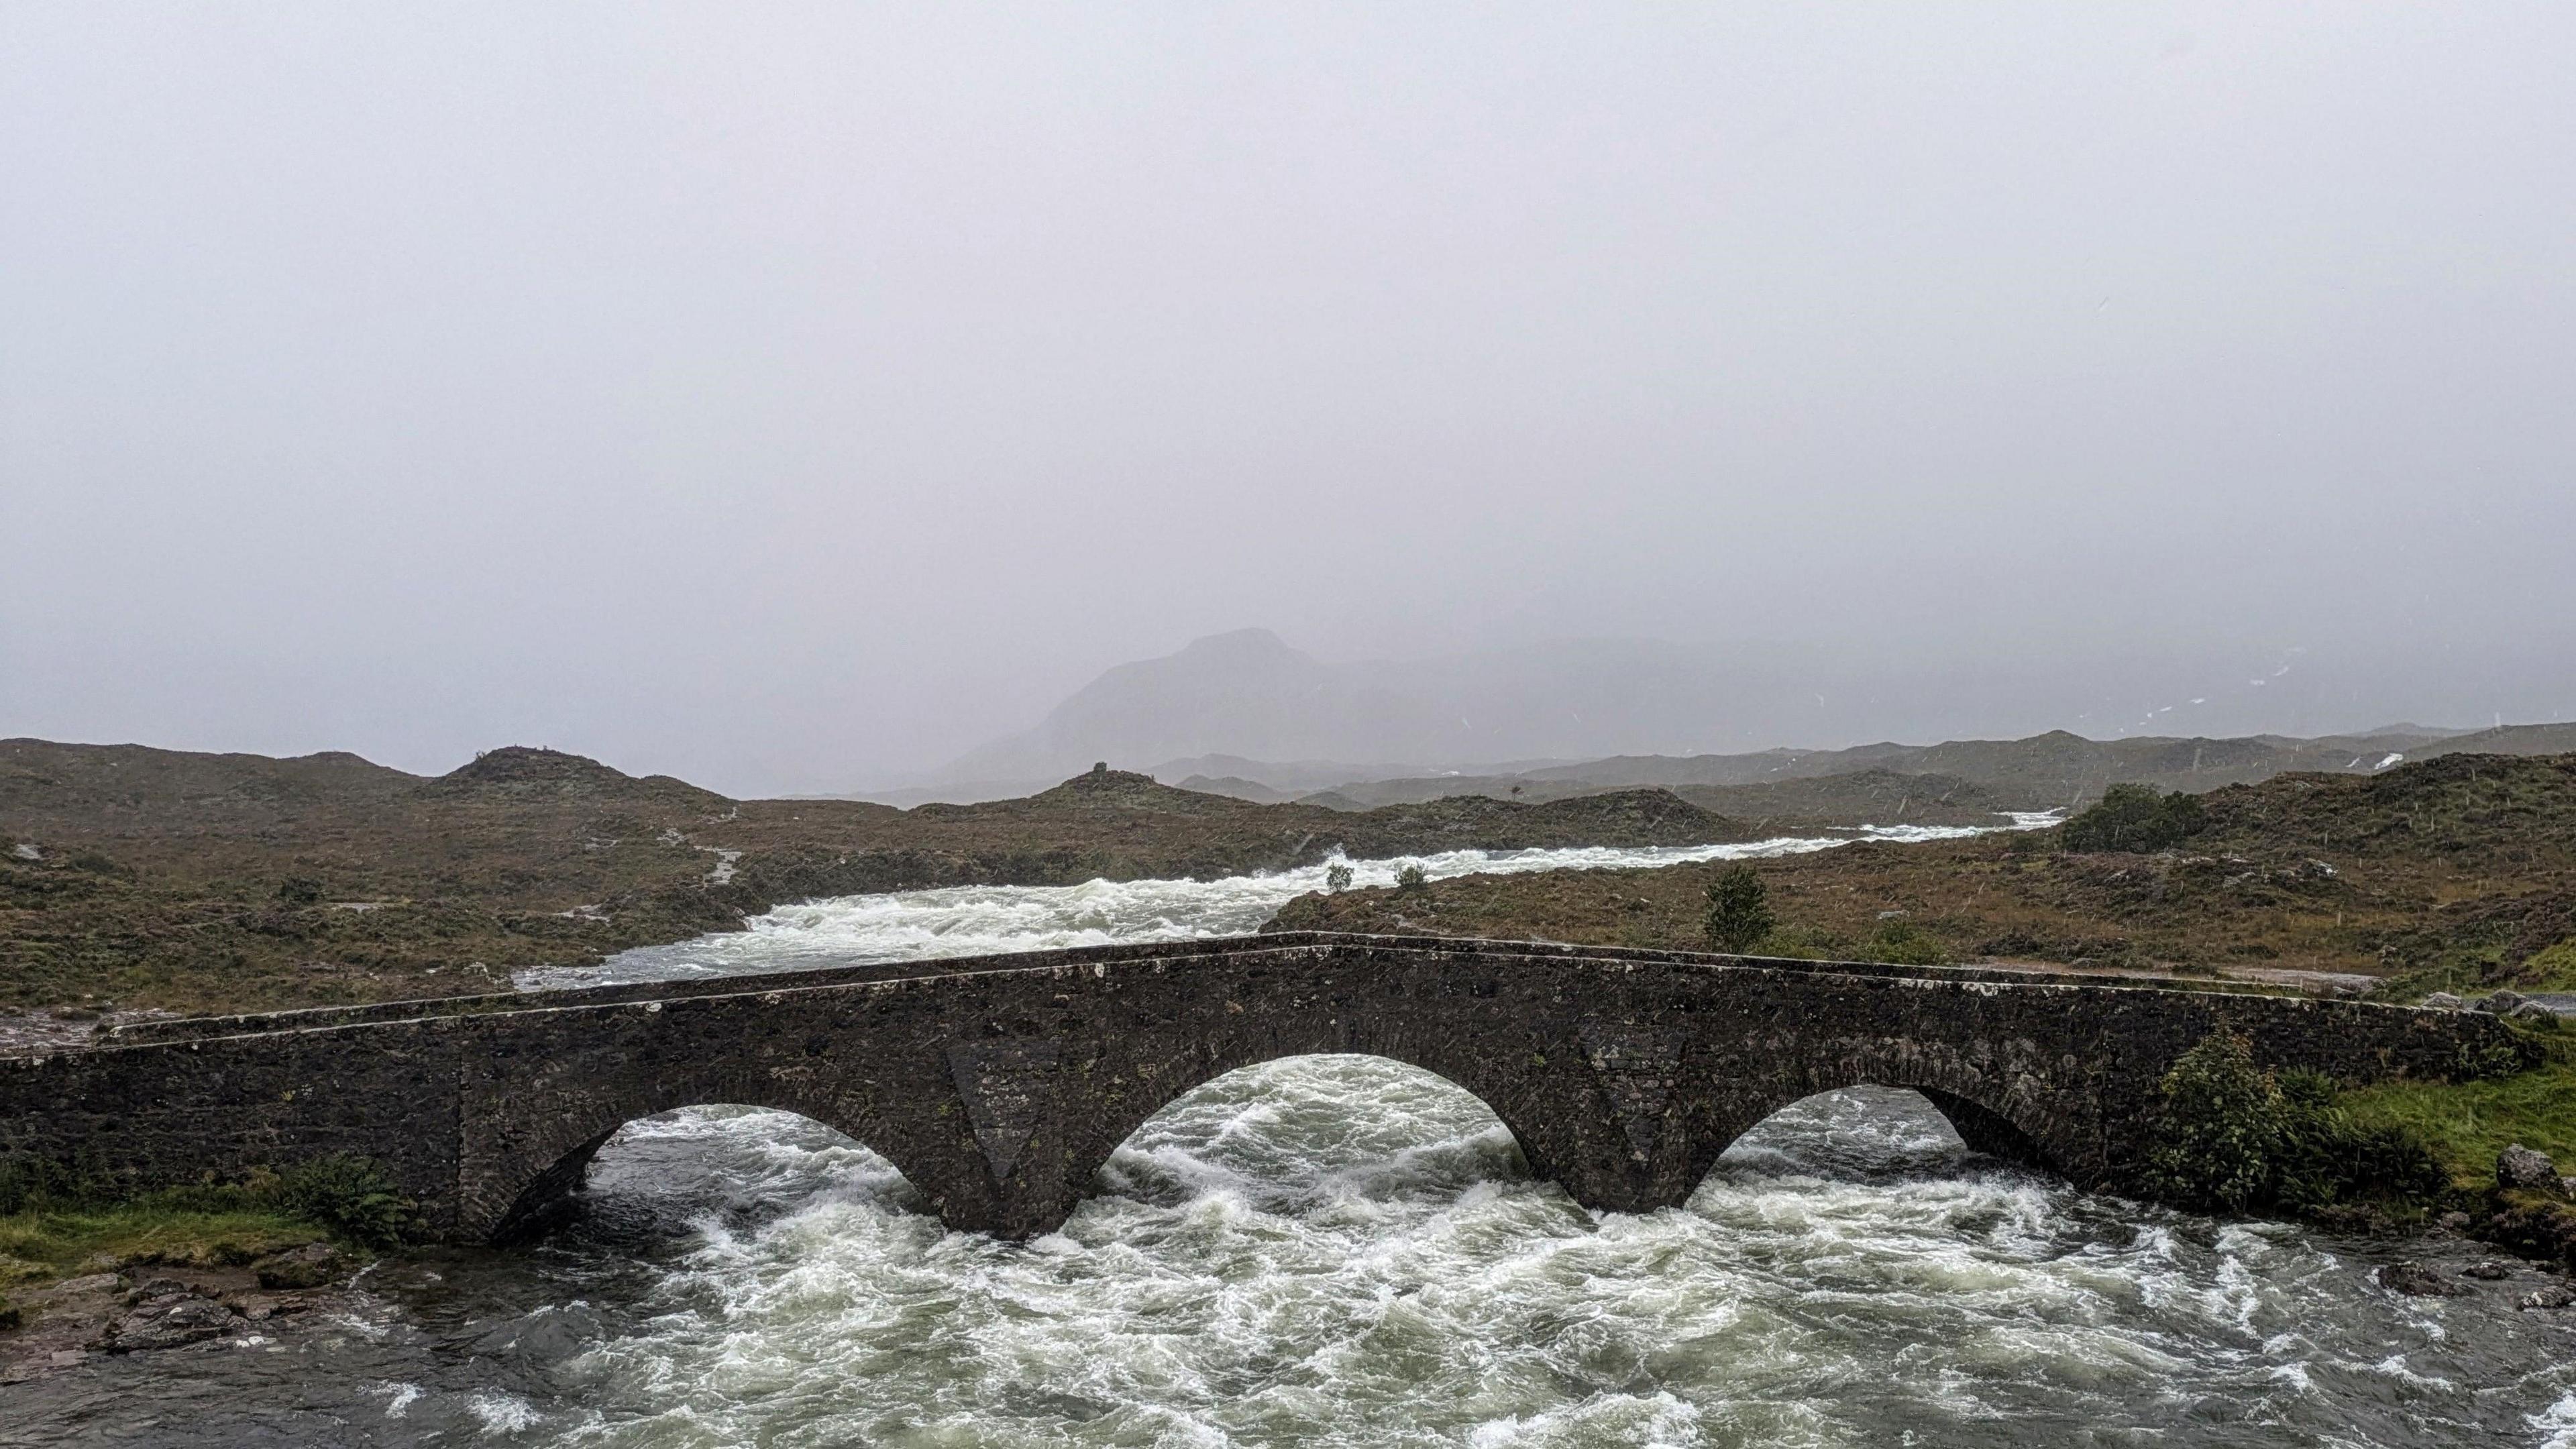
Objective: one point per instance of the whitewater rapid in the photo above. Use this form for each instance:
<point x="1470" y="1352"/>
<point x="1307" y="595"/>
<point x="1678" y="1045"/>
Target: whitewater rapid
<point x="981" y="920"/>
<point x="1345" y="1252"/>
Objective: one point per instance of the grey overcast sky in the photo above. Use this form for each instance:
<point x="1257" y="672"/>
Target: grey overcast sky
<point x="792" y="396"/>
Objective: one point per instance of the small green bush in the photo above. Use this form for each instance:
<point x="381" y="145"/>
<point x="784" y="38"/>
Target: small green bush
<point x="2214" y="1143"/>
<point x="1337" y="878"/>
<point x="1902" y="943"/>
<point x="1801" y="943"/>
<point x="2231" y="1137"/>
<point x="2137" y="818"/>
<point x="1739" y="910"/>
<point x="35" y="1184"/>
<point x="1411" y="879"/>
<point x="352" y="1196"/>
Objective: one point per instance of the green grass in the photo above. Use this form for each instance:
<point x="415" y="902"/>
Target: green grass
<point x="2551" y="970"/>
<point x="43" y="1244"/>
<point x="59" y="1221"/>
<point x="2468" y="1123"/>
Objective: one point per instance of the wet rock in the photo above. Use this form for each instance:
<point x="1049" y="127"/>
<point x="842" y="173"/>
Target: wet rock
<point x="168" y="1322"/>
<point x="2520" y="1167"/>
<point x="2499" y="1003"/>
<point x="261" y="1307"/>
<point x="2442" y="1001"/>
<point x="2532" y="1011"/>
<point x="2553" y="1296"/>
<point x="2417" y="1281"/>
<point x="2456" y="1221"/>
<point x="2489" y="1269"/>
<point x="309" y="1266"/>
<point x="89" y="1283"/>
<point x="152" y="1288"/>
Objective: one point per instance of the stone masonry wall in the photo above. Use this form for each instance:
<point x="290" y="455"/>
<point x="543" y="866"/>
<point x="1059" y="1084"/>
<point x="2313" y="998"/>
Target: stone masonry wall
<point x="1001" y="1085"/>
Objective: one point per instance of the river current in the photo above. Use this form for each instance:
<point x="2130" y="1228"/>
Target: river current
<point x="1346" y="1251"/>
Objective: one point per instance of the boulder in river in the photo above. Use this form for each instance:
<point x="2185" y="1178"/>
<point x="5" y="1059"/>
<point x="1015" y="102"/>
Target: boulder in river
<point x="2553" y="1296"/>
<point x="2489" y="1269"/>
<point x="309" y="1266"/>
<point x="2520" y="1167"/>
<point x="2417" y="1281"/>
<point x="2441" y="1001"/>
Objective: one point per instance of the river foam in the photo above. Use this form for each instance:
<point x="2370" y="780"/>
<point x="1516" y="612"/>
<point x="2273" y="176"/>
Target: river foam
<point x="982" y="920"/>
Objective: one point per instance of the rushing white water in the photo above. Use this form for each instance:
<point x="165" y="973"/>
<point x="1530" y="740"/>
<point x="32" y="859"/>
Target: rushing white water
<point x="1345" y="1251"/>
<point x="979" y="920"/>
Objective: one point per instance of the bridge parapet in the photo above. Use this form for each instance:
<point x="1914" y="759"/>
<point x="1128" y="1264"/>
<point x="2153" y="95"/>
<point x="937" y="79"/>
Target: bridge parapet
<point x="1000" y="1085"/>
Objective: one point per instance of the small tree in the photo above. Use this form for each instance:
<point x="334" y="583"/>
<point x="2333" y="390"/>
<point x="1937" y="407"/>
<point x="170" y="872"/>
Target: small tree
<point x="1739" y="910"/>
<point x="1411" y="879"/>
<point x="1337" y="878"/>
<point x="2135" y="817"/>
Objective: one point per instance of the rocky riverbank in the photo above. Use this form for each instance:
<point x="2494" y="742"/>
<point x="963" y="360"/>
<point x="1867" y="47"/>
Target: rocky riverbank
<point x="148" y="1309"/>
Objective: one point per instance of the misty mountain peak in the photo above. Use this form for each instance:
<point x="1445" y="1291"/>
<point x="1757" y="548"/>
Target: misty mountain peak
<point x="1242" y="645"/>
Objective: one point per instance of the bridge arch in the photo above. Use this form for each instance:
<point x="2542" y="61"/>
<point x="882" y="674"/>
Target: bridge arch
<point x="1990" y="1120"/>
<point x="1873" y="1129"/>
<point x="1546" y="1124"/>
<point x="535" y="1183"/>
<point x="654" y="1176"/>
<point x="1360" y="1112"/>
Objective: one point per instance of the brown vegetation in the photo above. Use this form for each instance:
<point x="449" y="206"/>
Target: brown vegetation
<point x="2457" y="872"/>
<point x="152" y="878"/>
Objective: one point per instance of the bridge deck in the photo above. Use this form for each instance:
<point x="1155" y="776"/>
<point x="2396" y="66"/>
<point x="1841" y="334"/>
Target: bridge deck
<point x="199" y="1028"/>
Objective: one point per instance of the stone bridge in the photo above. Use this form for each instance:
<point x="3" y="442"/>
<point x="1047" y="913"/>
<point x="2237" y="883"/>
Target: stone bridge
<point x="1000" y="1085"/>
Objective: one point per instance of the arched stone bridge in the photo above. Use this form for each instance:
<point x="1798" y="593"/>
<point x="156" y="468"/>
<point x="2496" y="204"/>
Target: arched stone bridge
<point x="1000" y="1085"/>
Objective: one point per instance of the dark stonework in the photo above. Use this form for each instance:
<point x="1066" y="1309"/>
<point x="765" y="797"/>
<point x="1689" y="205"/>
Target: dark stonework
<point x="1001" y="1085"/>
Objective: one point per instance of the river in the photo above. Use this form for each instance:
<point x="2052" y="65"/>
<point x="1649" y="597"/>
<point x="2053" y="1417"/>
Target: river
<point x="1345" y="1251"/>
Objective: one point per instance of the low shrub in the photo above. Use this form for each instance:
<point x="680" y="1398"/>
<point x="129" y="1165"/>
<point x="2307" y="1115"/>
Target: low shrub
<point x="1411" y="879"/>
<point x="351" y="1196"/>
<point x="2232" y="1137"/>
<point x="1902" y="943"/>
<point x="2137" y="818"/>
<point x="1802" y="943"/>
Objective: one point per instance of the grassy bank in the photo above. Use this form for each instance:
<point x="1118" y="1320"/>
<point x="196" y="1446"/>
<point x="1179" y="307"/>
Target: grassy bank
<point x="43" y="1244"/>
<point x="2467" y="1123"/>
<point x="57" y="1222"/>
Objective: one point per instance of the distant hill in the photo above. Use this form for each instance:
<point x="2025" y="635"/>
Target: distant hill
<point x="2455" y="873"/>
<point x="1860" y="797"/>
<point x="172" y="879"/>
<point x="1248" y="695"/>
<point x="2511" y="811"/>
<point x="2046" y="771"/>
<point x="1617" y="713"/>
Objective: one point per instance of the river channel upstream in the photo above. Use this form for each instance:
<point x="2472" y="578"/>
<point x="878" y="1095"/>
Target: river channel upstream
<point x="1344" y="1251"/>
